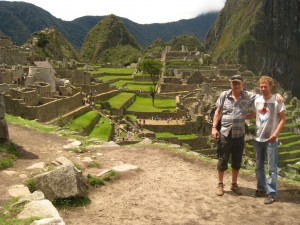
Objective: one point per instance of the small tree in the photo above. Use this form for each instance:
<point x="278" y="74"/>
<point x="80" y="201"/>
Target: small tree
<point x="153" y="68"/>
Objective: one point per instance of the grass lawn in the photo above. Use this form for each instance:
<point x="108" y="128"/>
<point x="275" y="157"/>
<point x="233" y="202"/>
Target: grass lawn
<point x="120" y="83"/>
<point x="102" y="130"/>
<point x="113" y="77"/>
<point x="114" y="70"/>
<point x="119" y="100"/>
<point x="145" y="86"/>
<point x="142" y="104"/>
<point x="179" y="136"/>
<point x="30" y="123"/>
<point x="81" y="122"/>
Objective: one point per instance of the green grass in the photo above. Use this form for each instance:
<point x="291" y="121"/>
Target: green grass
<point x="120" y="83"/>
<point x="142" y="104"/>
<point x="30" y="123"/>
<point x="143" y="86"/>
<point x="113" y="77"/>
<point x="179" y="136"/>
<point x="97" y="181"/>
<point x="66" y="203"/>
<point x="9" y="213"/>
<point x="8" y="154"/>
<point x="102" y="130"/>
<point x="114" y="70"/>
<point x="81" y="122"/>
<point x="118" y="101"/>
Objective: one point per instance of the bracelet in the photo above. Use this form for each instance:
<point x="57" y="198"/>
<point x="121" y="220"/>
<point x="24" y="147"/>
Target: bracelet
<point x="214" y="127"/>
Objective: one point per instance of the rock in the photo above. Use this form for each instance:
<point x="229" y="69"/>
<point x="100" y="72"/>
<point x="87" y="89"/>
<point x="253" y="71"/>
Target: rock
<point x="146" y="141"/>
<point x="124" y="167"/>
<point x="4" y="137"/>
<point x="9" y="172"/>
<point x="19" y="190"/>
<point x="62" y="161"/>
<point x="39" y="165"/>
<point x="42" y="208"/>
<point x="64" y="182"/>
<point x="49" y="221"/>
<point x="110" y="144"/>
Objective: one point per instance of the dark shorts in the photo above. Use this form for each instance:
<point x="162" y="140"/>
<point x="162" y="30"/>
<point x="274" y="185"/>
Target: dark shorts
<point x="226" y="147"/>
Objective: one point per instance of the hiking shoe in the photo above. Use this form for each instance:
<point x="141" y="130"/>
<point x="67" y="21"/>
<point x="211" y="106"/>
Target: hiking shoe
<point x="235" y="188"/>
<point x="220" y="189"/>
<point x="260" y="193"/>
<point x="270" y="199"/>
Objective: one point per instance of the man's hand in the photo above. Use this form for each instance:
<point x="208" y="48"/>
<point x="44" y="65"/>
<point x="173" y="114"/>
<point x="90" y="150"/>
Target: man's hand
<point x="214" y="133"/>
<point x="272" y="139"/>
<point x="279" y="98"/>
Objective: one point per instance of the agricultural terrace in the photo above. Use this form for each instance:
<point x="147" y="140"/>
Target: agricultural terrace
<point x="119" y="100"/>
<point x="143" y="104"/>
<point x="102" y="130"/>
<point x="81" y="123"/>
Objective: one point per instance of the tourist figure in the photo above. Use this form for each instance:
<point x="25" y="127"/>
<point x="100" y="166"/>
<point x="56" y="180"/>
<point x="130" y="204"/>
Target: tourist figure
<point x="270" y="119"/>
<point x="233" y="105"/>
<point x="232" y="109"/>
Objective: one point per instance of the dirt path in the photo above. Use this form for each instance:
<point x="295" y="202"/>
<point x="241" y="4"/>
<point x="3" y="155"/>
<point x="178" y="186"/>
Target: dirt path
<point x="167" y="188"/>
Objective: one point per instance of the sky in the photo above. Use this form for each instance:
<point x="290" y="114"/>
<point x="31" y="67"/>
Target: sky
<point x="139" y="11"/>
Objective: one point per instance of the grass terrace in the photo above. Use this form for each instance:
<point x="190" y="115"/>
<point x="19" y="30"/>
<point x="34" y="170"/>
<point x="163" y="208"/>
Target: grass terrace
<point x="80" y="123"/>
<point x="102" y="130"/>
<point x="114" y="71"/>
<point x="119" y="100"/>
<point x="143" y="104"/>
<point x="115" y="77"/>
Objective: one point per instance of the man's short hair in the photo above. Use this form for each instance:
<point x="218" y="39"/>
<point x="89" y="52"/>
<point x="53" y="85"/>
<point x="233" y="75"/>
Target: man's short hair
<point x="266" y="79"/>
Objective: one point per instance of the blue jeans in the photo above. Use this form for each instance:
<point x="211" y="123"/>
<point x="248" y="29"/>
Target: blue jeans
<point x="269" y="151"/>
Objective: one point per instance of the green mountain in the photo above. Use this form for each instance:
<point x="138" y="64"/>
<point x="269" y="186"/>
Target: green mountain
<point x="108" y="33"/>
<point x="19" y="20"/>
<point x="263" y="35"/>
<point x="50" y="43"/>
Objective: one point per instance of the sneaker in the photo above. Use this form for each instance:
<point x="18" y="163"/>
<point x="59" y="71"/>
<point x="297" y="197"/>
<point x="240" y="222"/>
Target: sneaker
<point x="220" y="190"/>
<point x="235" y="188"/>
<point x="270" y="199"/>
<point x="260" y="193"/>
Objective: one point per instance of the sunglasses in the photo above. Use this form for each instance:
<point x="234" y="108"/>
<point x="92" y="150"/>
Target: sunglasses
<point x="264" y="110"/>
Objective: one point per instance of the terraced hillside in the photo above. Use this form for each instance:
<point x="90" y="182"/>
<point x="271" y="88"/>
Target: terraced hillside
<point x="289" y="139"/>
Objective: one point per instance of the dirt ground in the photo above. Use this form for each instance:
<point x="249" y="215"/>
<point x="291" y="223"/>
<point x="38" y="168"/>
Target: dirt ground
<point x="167" y="188"/>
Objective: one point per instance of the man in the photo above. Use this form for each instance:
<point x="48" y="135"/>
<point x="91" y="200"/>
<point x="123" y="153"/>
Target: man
<point x="232" y="108"/>
<point x="270" y="119"/>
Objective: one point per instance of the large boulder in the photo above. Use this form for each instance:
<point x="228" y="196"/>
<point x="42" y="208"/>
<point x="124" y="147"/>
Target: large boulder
<point x="64" y="182"/>
<point x="4" y="137"/>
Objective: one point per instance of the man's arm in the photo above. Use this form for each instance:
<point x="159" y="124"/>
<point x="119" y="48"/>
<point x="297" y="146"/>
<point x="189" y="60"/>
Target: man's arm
<point x="279" y="127"/>
<point x="214" y="131"/>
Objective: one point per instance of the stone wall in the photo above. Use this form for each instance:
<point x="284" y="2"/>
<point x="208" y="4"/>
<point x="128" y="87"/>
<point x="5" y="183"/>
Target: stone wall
<point x="164" y="88"/>
<point x="27" y="95"/>
<point x="76" y="77"/>
<point x="12" y="56"/>
<point x="104" y="96"/>
<point x="163" y="115"/>
<point x="99" y="88"/>
<point x="46" y="112"/>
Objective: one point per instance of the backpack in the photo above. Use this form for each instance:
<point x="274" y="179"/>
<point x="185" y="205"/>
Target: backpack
<point x="212" y="114"/>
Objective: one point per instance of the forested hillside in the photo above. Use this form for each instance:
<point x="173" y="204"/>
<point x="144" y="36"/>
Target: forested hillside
<point x="19" y="20"/>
